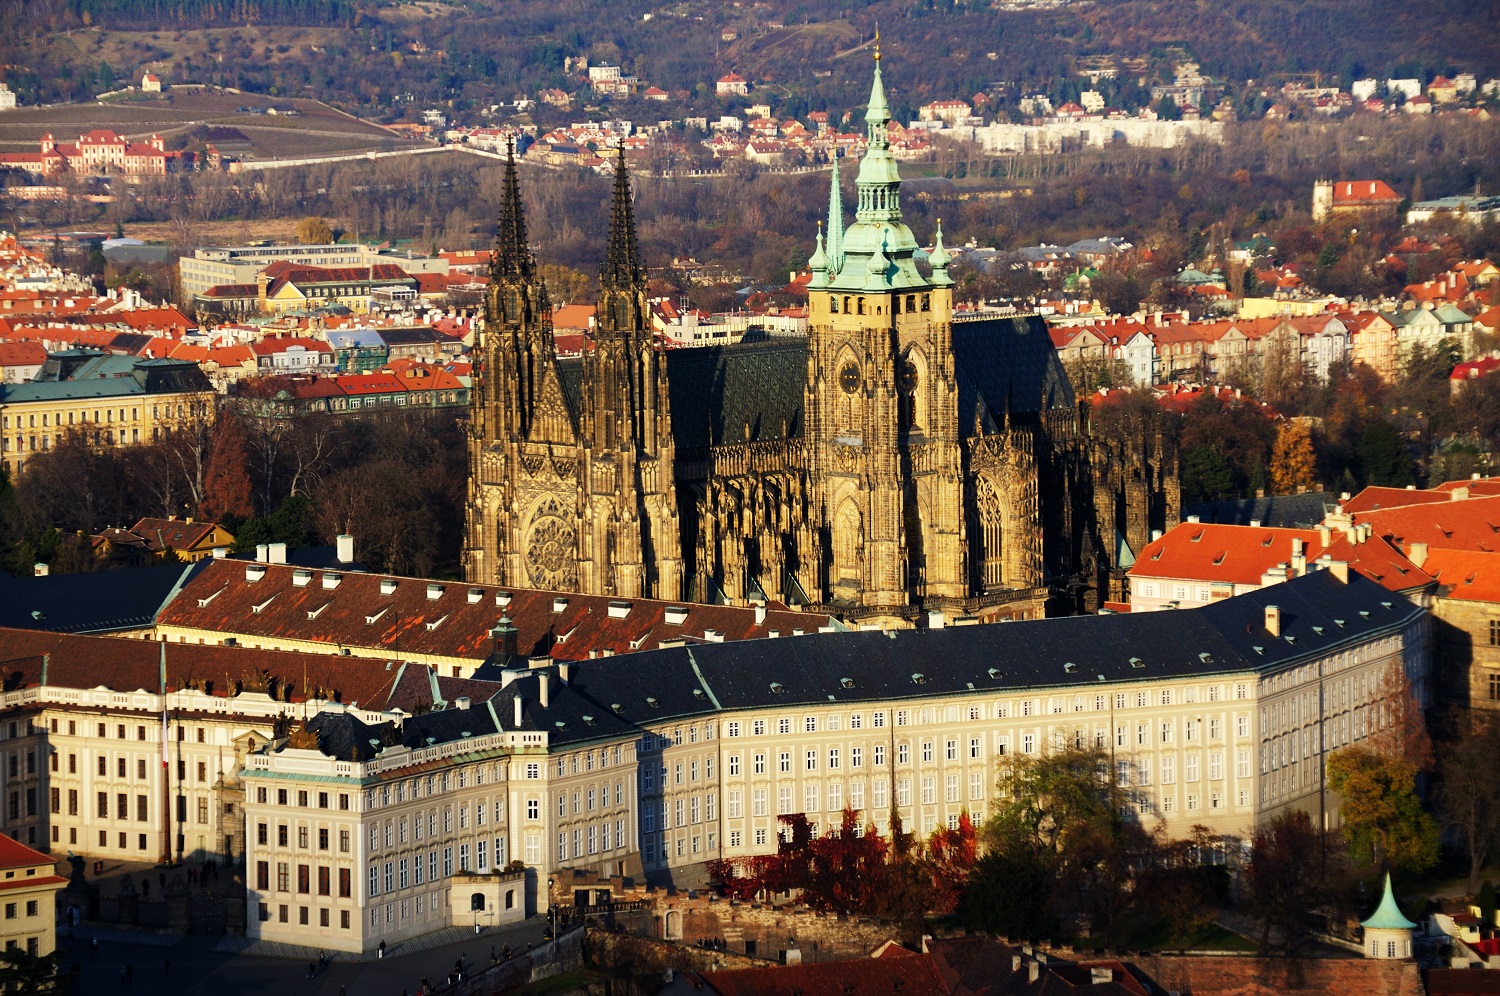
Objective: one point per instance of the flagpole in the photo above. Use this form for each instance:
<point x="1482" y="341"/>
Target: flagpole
<point x="166" y="792"/>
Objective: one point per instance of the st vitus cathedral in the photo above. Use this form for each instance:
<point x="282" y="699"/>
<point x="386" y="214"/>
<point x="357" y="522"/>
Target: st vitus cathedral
<point x="897" y="459"/>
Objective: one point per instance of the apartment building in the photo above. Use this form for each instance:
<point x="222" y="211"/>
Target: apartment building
<point x="220" y="266"/>
<point x="112" y="400"/>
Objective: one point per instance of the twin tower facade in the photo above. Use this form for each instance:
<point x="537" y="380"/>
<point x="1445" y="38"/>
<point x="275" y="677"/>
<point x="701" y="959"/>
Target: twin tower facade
<point x="893" y="461"/>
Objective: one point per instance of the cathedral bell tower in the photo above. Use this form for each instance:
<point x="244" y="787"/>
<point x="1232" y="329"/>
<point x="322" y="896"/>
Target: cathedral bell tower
<point x="631" y="542"/>
<point x="519" y="419"/>
<point x="882" y="399"/>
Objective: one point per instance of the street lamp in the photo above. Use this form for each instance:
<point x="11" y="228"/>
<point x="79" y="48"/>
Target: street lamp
<point x="552" y="912"/>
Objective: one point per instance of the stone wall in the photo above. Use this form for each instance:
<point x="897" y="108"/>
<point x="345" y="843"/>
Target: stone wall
<point x="768" y="932"/>
<point x="1254" y="976"/>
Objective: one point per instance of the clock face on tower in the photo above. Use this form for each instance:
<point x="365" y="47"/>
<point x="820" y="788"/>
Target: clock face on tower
<point x="849" y="377"/>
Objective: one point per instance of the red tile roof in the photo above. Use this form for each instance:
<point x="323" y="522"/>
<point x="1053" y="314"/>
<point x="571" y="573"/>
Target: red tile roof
<point x="22" y="354"/>
<point x="457" y="623"/>
<point x="125" y="665"/>
<point x="1473" y="524"/>
<point x="176" y="534"/>
<point x="1354" y="192"/>
<point x="1375" y="497"/>
<point x="1467" y="576"/>
<point x="1215" y="552"/>
<point x="14" y="854"/>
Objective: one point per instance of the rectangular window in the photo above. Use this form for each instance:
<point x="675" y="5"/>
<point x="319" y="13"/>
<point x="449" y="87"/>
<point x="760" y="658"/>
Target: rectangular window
<point x="345" y="886"/>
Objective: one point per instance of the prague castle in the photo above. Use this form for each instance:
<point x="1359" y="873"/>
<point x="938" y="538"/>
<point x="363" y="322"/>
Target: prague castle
<point x="899" y="459"/>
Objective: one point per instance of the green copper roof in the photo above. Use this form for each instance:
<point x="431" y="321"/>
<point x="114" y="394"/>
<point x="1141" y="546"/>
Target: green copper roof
<point x="876" y="253"/>
<point x="1388" y="915"/>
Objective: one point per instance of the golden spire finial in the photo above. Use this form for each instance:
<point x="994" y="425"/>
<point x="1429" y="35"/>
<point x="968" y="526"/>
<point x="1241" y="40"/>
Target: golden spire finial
<point x="877" y="41"/>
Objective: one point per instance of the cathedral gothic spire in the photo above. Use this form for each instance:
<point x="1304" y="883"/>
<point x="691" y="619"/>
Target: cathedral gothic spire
<point x="511" y="256"/>
<point x="622" y="266"/>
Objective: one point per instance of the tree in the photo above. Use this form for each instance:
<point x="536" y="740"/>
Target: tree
<point x="1206" y="477"/>
<point x="1007" y="894"/>
<point x="1470" y="795"/>
<point x="1062" y="807"/>
<point x="1383" y="817"/>
<point x="226" y="485"/>
<point x="565" y="285"/>
<point x="1289" y="877"/>
<point x="1293" y="462"/>
<point x="313" y="231"/>
<point x="30" y="974"/>
<point x="1382" y="457"/>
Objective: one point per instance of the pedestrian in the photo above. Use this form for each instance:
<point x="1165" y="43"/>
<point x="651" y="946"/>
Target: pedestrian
<point x="161" y="880"/>
<point x="382" y="949"/>
<point x="492" y="954"/>
<point x="145" y="888"/>
<point x="312" y="969"/>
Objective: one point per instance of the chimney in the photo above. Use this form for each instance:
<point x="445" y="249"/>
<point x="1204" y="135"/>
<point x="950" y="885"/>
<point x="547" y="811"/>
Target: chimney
<point x="1417" y="553"/>
<point x="277" y="553"/>
<point x="345" y="548"/>
<point x="564" y="672"/>
<point x="1460" y="494"/>
<point x="1099" y="976"/>
<point x="1155" y="535"/>
<point x="1033" y="969"/>
<point x="1015" y="963"/>
<point x="40" y="570"/>
<point x="1325" y="536"/>
<point x="517" y="703"/>
<point x="544" y="682"/>
<point x="935" y="619"/>
<point x="263" y="553"/>
<point x="1273" y="620"/>
<point x="1296" y="547"/>
<point x="461" y="703"/>
<point x="1340" y="570"/>
<point x="760" y="614"/>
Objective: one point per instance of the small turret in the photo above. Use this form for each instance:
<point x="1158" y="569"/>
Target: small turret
<point x="939" y="260"/>
<point x="818" y="264"/>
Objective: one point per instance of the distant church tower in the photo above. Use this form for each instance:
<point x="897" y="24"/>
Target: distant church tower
<point x="882" y="399"/>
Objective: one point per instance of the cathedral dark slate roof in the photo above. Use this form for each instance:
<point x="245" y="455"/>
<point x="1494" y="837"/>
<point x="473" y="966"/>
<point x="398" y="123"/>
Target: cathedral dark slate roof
<point x="1007" y="364"/>
<point x="719" y="389"/>
<point x="1003" y="364"/>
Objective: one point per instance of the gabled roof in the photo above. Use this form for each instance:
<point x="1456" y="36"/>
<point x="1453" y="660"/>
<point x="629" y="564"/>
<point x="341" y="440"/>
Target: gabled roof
<point x="1472" y="524"/>
<point x="1208" y="552"/>
<point x="173" y="534"/>
<point x="457" y="623"/>
<point x="125" y="665"/>
<point x="1352" y="192"/>
<point x="1465" y="575"/>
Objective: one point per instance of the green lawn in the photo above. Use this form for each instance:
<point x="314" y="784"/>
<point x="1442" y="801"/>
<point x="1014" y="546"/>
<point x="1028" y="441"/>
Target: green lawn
<point x="1154" y="935"/>
<point x="565" y="982"/>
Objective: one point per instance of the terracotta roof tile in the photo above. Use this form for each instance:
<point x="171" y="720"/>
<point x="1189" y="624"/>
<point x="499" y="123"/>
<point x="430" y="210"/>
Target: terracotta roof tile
<point x="455" y="624"/>
<point x="126" y="665"/>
